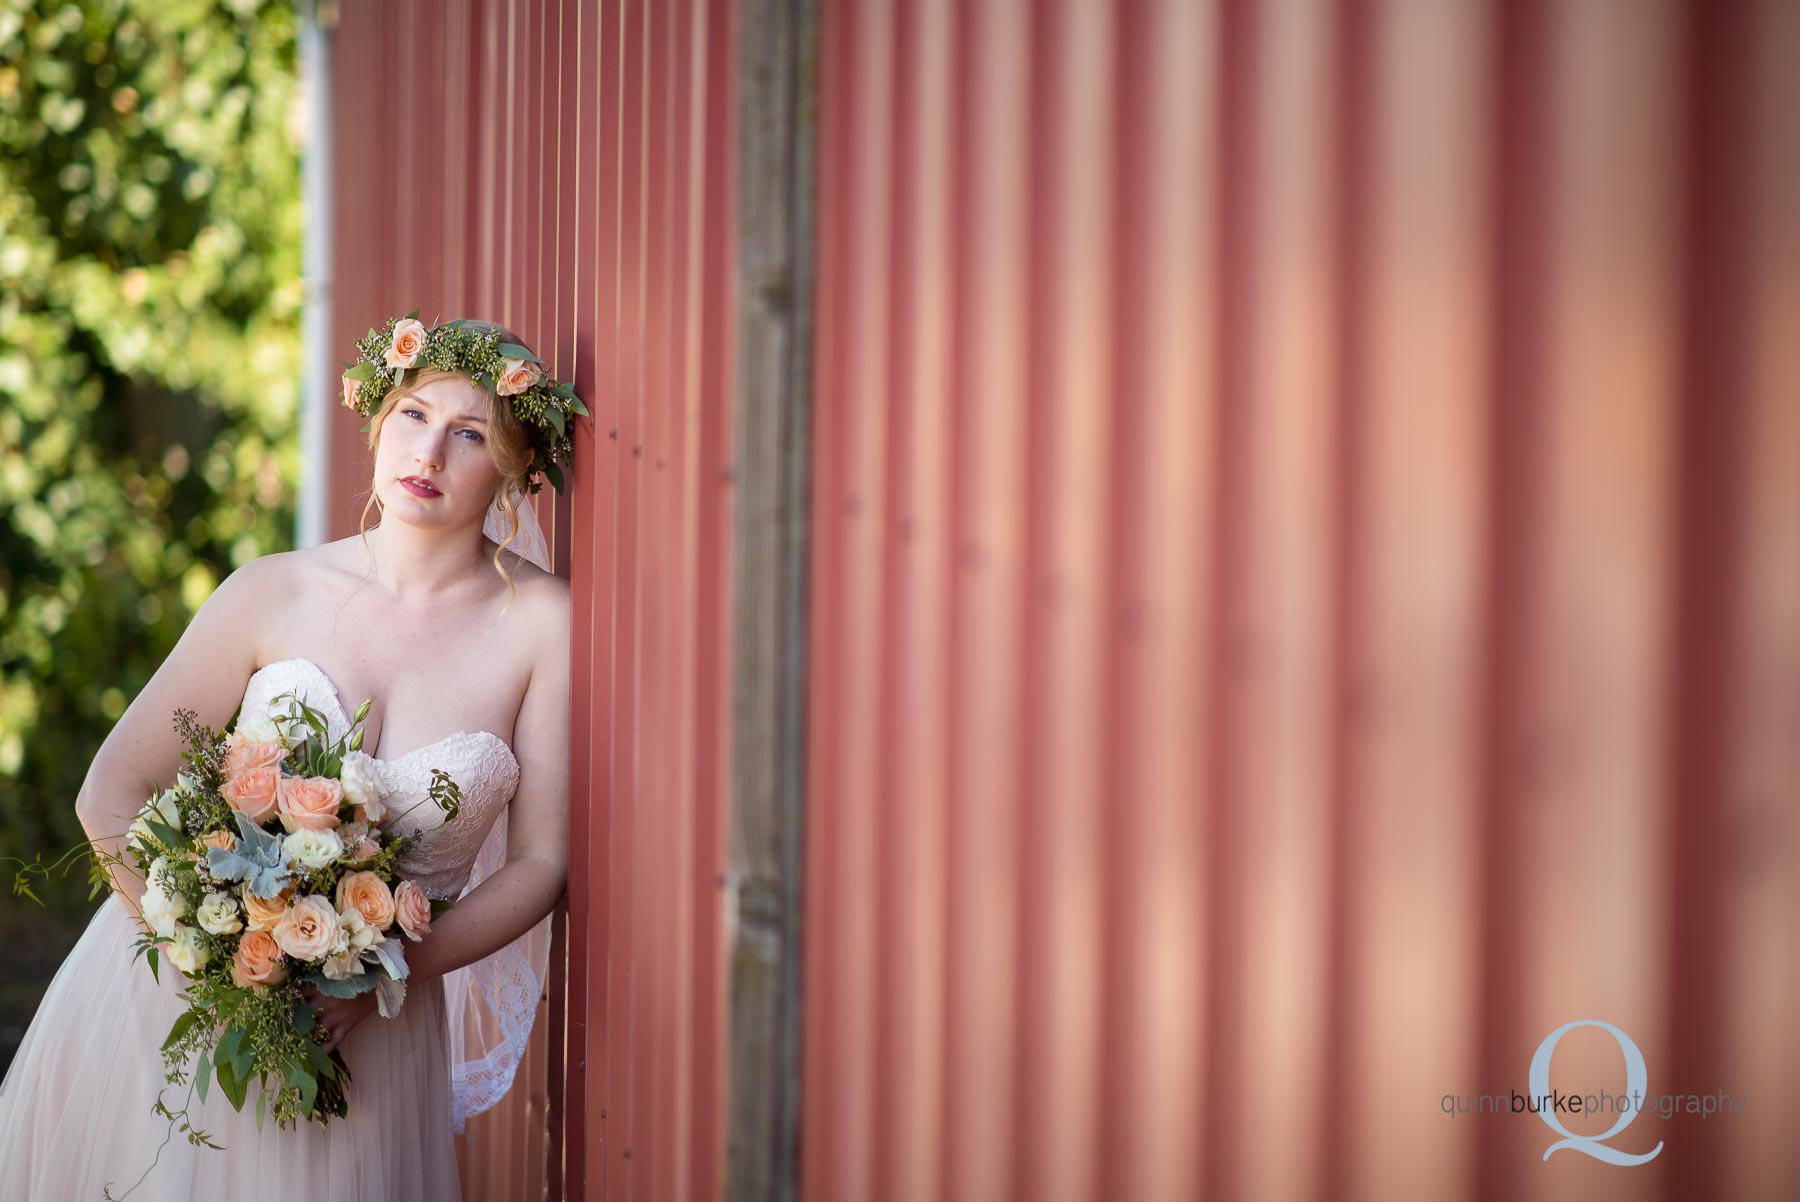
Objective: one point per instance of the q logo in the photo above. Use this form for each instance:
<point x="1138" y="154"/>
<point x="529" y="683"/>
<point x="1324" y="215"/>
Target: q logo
<point x="1636" y="1076"/>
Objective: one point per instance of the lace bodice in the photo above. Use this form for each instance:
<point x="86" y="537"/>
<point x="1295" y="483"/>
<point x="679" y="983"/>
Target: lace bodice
<point x="440" y="854"/>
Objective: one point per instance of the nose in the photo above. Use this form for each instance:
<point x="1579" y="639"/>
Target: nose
<point x="430" y="454"/>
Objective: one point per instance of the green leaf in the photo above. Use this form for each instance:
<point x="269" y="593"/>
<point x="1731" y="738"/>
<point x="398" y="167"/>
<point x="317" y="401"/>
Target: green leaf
<point x="151" y="957"/>
<point x="165" y="834"/>
<point x="413" y="316"/>
<point x="262" y="1105"/>
<point x="305" y="1019"/>
<point x="362" y="371"/>
<point x="556" y="476"/>
<point x="575" y="406"/>
<point x="320" y="1060"/>
<point x="233" y="1086"/>
<point x="306" y="1083"/>
<point x="512" y="350"/>
<point x="556" y="417"/>
<point x="228" y="1046"/>
<point x="184" y="1022"/>
<point x="203" y="1075"/>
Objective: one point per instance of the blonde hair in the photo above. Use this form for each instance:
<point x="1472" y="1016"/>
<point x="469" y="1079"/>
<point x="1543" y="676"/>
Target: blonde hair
<point x="507" y="440"/>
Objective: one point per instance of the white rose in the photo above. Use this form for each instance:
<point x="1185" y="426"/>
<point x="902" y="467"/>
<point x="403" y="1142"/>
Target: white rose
<point x="361" y="780"/>
<point x="312" y="850"/>
<point x="188" y="952"/>
<point x="160" y="910"/>
<point x="218" y="915"/>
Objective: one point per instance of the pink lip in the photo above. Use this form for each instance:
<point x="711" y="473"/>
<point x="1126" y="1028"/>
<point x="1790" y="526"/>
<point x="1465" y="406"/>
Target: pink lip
<point x="413" y="485"/>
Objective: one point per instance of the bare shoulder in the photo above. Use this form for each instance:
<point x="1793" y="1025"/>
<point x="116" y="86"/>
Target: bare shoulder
<point x="544" y="599"/>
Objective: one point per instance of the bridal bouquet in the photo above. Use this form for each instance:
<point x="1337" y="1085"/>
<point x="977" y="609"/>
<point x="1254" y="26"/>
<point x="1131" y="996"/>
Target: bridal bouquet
<point x="270" y="866"/>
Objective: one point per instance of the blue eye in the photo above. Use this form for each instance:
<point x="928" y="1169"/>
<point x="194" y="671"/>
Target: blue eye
<point x="474" y="436"/>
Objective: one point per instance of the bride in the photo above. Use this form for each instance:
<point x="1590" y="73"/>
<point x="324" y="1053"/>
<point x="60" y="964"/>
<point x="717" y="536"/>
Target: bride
<point x="463" y="648"/>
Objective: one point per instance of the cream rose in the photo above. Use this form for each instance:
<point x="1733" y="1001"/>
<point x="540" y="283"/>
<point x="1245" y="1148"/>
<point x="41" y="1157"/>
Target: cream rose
<point x="312" y="850"/>
<point x="218" y="914"/>
<point x="413" y="910"/>
<point x="360" y="777"/>
<point x="264" y="912"/>
<point x="308" y="929"/>
<point x="259" y="727"/>
<point x="258" y="961"/>
<point x="188" y="951"/>
<point x="355" y="936"/>
<point x="368" y="893"/>
<point x="409" y="340"/>
<point x="516" y="375"/>
<point x="160" y="910"/>
<point x="308" y="803"/>
<point x="243" y="753"/>
<point x="254" y="793"/>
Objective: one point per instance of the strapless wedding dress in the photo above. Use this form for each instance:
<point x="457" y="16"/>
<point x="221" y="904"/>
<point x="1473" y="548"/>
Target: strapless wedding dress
<point x="75" y="1107"/>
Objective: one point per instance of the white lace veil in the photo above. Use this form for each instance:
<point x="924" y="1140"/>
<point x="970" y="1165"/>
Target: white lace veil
<point x="492" y="1002"/>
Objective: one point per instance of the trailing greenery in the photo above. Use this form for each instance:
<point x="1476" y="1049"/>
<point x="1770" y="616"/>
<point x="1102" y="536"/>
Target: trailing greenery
<point x="150" y="300"/>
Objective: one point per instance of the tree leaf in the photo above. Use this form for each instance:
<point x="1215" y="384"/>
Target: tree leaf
<point x="202" y="1075"/>
<point x="151" y="957"/>
<point x="512" y="350"/>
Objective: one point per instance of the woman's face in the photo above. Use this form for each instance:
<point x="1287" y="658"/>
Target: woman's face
<point x="437" y="437"/>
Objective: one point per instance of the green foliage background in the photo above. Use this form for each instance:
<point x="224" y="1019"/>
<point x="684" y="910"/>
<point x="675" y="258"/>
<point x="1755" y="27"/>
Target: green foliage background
<point x="150" y="299"/>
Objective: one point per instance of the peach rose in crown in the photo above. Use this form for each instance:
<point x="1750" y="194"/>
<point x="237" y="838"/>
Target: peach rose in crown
<point x="242" y="754"/>
<point x="352" y="392"/>
<point x="253" y="793"/>
<point x="516" y="375"/>
<point x="409" y="340"/>
<point x="257" y="962"/>
<point x="370" y="896"/>
<point x="308" y="803"/>
<point x="263" y="913"/>
<point x="413" y="910"/>
<point x="308" y="929"/>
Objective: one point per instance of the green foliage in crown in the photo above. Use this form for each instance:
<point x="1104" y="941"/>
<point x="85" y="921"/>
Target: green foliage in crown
<point x="405" y="346"/>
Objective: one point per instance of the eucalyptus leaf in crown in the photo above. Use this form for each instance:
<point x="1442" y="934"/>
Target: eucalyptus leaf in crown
<point x="405" y="346"/>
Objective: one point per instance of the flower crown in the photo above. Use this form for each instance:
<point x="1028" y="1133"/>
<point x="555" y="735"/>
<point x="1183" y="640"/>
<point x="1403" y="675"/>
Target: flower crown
<point x="404" y="344"/>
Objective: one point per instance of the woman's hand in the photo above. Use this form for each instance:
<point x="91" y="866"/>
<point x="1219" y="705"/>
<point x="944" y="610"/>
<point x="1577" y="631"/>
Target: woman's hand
<point x="339" y="1015"/>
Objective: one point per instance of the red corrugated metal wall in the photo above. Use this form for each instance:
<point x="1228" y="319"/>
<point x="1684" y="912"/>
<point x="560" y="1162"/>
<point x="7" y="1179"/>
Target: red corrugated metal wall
<point x="1305" y="594"/>
<point x="567" y="168"/>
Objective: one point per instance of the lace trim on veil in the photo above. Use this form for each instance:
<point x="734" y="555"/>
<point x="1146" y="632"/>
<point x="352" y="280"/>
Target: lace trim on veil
<point x="492" y="1002"/>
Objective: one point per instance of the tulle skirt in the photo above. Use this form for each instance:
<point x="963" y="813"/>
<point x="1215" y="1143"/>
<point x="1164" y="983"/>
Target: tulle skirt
<point x="75" y="1107"/>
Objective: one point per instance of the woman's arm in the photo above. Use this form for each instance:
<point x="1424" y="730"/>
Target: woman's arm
<point x="517" y="896"/>
<point x="205" y="672"/>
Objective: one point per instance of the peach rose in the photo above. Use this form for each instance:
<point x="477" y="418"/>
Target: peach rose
<point x="516" y="375"/>
<point x="253" y="793"/>
<point x="308" y="803"/>
<point x="242" y="753"/>
<point x="413" y="909"/>
<point x="264" y="912"/>
<point x="369" y="894"/>
<point x="308" y="929"/>
<point x="409" y="340"/>
<point x="352" y="392"/>
<point x="223" y="840"/>
<point x="258" y="961"/>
